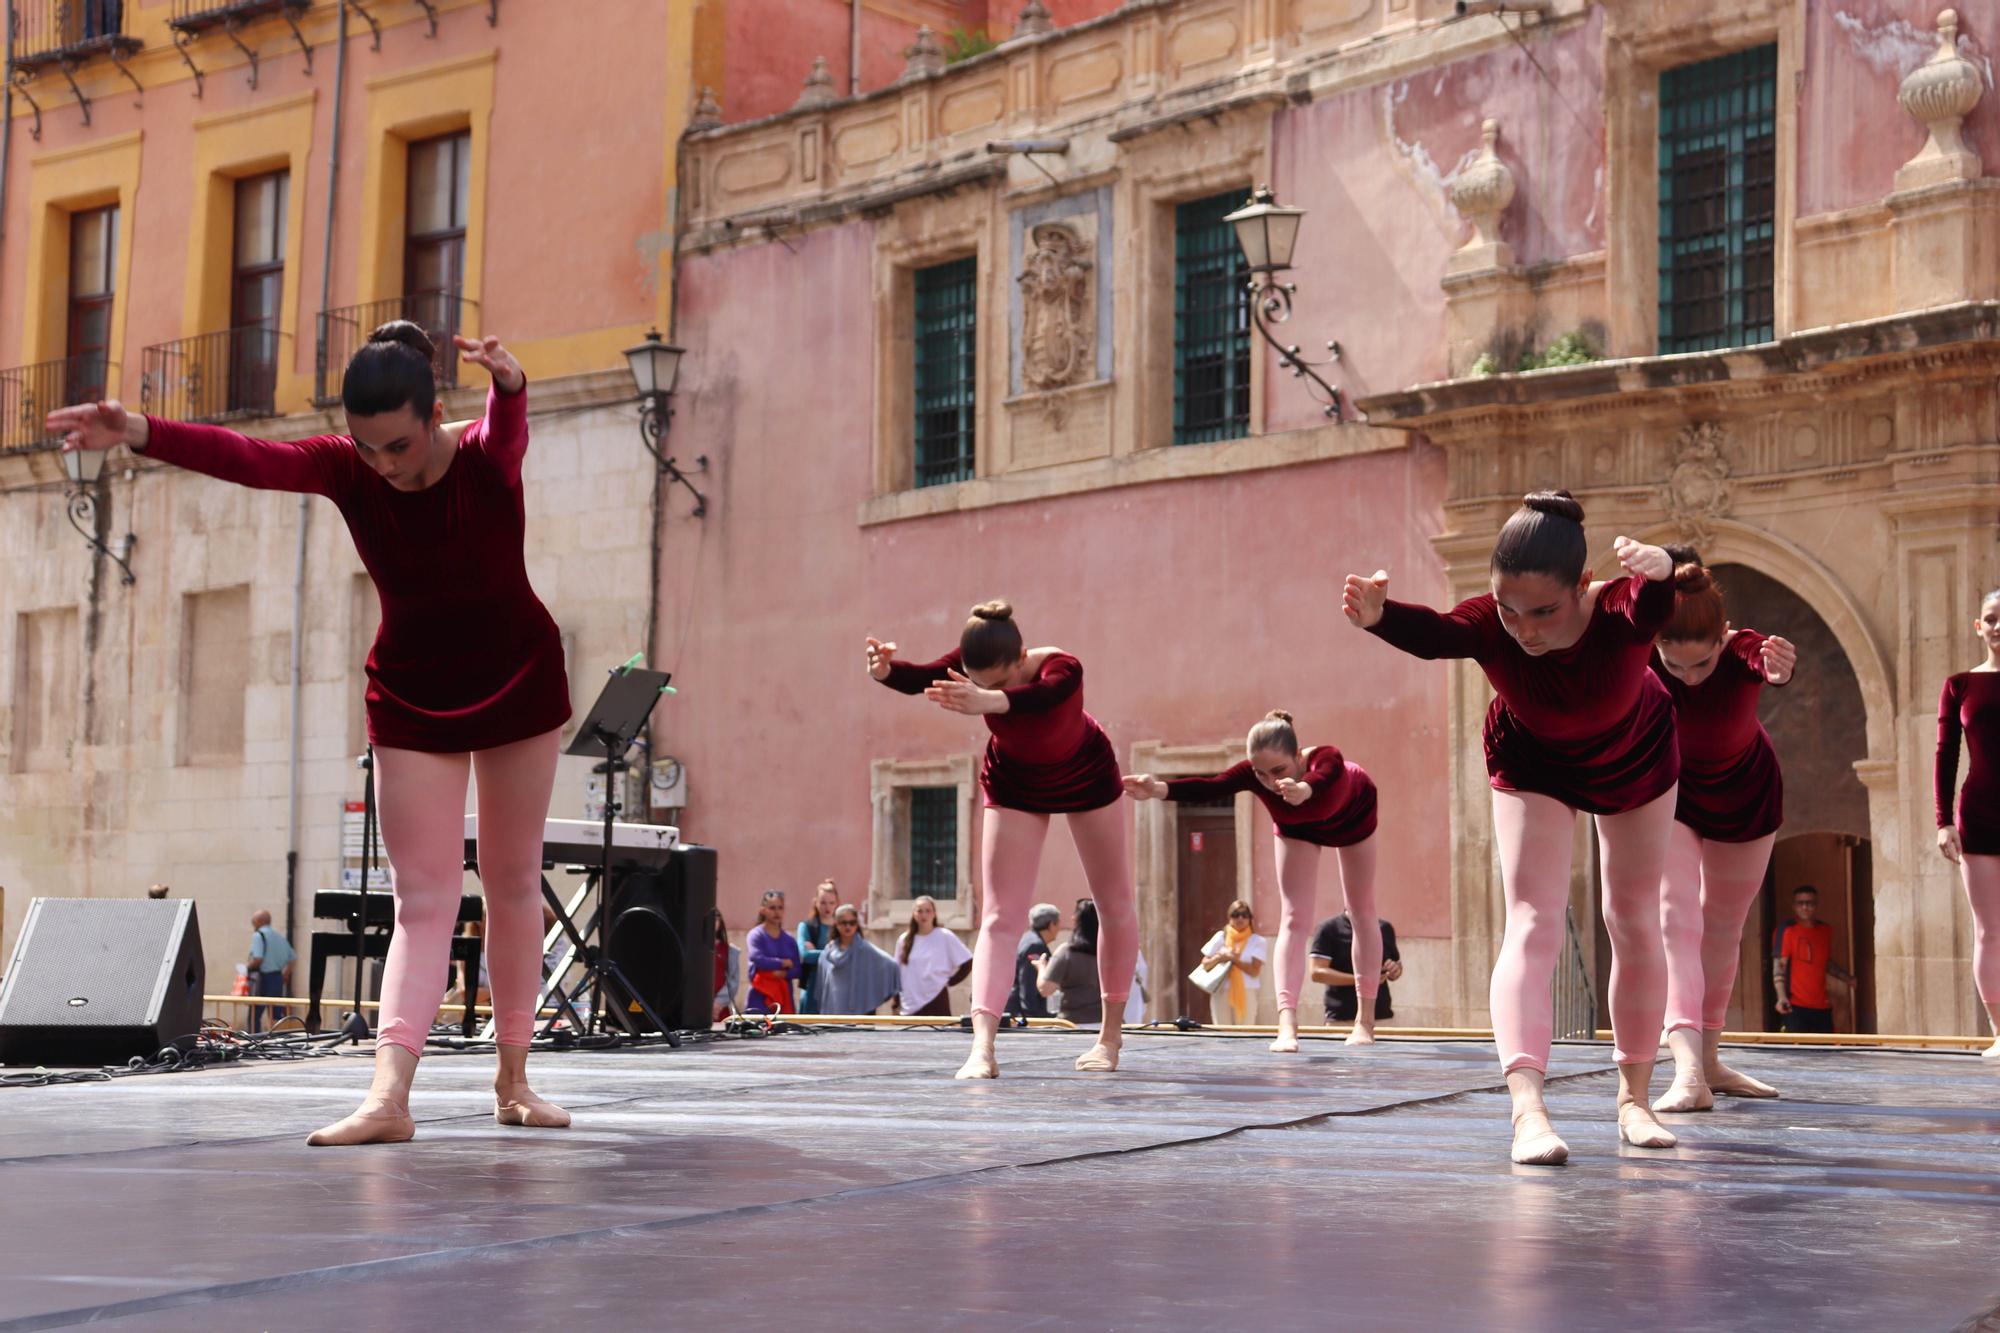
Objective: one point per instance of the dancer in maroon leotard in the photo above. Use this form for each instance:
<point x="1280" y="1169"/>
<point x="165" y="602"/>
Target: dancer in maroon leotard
<point x="1046" y="757"/>
<point x="1970" y="707"/>
<point x="466" y="674"/>
<point x="1316" y="799"/>
<point x="1731" y="803"/>
<point x="1580" y="723"/>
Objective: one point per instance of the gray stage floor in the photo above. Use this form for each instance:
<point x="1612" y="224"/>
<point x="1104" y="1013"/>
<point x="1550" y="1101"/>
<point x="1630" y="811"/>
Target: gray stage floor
<point x="845" y="1181"/>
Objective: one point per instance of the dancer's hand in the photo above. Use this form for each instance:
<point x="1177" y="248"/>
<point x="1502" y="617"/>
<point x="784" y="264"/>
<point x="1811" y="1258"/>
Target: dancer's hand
<point x="1144" y="787"/>
<point x="1779" y="659"/>
<point x="97" y="426"/>
<point x="1294" y="791"/>
<point x="1361" y="600"/>
<point x="959" y="695"/>
<point x="1392" y="969"/>
<point x="1948" y="844"/>
<point x="879" y="656"/>
<point x="498" y="362"/>
<point x="1642" y="561"/>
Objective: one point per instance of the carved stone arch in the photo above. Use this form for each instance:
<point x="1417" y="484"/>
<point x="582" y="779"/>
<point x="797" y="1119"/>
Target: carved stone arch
<point x="1734" y="542"/>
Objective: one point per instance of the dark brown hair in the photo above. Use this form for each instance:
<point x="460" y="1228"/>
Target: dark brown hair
<point x="392" y="370"/>
<point x="990" y="638"/>
<point x="1545" y="536"/>
<point x="1698" y="615"/>
<point x="1274" y="733"/>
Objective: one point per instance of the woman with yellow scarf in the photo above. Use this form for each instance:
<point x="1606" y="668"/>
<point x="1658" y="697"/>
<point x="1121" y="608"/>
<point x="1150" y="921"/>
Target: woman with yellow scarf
<point x="1239" y="944"/>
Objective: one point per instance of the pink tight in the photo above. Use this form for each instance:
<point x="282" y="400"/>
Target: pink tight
<point x="422" y="800"/>
<point x="1704" y="896"/>
<point x="1298" y="885"/>
<point x="1982" y="890"/>
<point x="1010" y="852"/>
<point x="1534" y="833"/>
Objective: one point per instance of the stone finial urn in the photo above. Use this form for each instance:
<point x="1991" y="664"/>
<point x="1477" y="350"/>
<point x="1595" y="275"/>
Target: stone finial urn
<point x="1034" y="21"/>
<point x="1481" y="193"/>
<point x="1940" y="92"/>
<point x="923" y="57"/>
<point x="818" y="91"/>
<point x="707" y="113"/>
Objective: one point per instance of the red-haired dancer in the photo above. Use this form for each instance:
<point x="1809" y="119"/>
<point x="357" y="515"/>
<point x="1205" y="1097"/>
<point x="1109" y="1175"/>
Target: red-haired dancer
<point x="1970" y="708"/>
<point x="1581" y="723"/>
<point x="1046" y="757"/>
<point x="466" y="675"/>
<point x="1732" y="800"/>
<point x="1316" y="799"/>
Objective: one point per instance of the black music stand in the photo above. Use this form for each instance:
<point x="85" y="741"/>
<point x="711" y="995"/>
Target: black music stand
<point x="612" y="725"/>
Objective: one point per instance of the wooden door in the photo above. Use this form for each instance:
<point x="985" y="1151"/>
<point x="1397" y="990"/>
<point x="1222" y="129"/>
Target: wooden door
<point x="1205" y="885"/>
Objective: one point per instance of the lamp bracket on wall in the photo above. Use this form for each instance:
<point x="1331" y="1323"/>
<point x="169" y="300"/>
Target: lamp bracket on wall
<point x="82" y="511"/>
<point x="1028" y="148"/>
<point x="655" y="412"/>
<point x="1271" y="304"/>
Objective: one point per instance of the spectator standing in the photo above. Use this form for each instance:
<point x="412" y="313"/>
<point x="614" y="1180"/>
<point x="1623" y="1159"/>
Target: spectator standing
<point x="1238" y="943"/>
<point x="933" y="961"/>
<point x="1072" y="969"/>
<point x="1332" y="957"/>
<point x="774" y="959"/>
<point x="270" y="965"/>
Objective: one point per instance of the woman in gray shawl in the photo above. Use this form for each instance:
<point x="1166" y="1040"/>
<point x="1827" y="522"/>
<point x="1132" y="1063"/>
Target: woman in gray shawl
<point x="854" y="976"/>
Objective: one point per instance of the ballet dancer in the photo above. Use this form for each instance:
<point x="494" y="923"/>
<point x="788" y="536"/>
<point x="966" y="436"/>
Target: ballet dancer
<point x="1316" y="799"/>
<point x="1732" y="799"/>
<point x="1580" y="723"/>
<point x="1970" y="707"/>
<point x="1046" y="756"/>
<point x="466" y="676"/>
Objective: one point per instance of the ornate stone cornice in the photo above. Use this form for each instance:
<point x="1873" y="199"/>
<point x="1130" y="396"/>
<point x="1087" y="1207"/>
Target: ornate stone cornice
<point x="1956" y="340"/>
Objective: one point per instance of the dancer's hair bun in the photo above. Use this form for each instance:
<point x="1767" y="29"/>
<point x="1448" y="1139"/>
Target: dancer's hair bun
<point x="1560" y="504"/>
<point x="1278" y="714"/>
<point x="994" y="610"/>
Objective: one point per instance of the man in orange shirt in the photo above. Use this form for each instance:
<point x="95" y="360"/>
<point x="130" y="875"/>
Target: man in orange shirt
<point x="1801" y="958"/>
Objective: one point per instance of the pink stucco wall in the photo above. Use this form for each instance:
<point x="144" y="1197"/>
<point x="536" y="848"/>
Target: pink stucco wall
<point x="1857" y="52"/>
<point x="1194" y="605"/>
<point x="1373" y="167"/>
<point x="551" y="268"/>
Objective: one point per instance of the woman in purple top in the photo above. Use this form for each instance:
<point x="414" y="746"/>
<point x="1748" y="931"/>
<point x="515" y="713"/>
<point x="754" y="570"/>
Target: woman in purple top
<point x="775" y="961"/>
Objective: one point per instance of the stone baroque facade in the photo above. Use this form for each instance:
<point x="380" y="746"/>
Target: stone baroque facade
<point x="1506" y="175"/>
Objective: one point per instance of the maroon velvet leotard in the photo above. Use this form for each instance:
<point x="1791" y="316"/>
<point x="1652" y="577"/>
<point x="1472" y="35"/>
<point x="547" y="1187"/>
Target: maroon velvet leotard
<point x="1731" y="787"/>
<point x="1046" y="755"/>
<point x="467" y="657"/>
<point x="1970" y="707"/>
<point x="1591" y="725"/>
<point x="1339" y="813"/>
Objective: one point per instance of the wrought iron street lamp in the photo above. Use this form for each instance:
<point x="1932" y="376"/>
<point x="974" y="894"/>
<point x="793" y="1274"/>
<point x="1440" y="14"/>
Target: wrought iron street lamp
<point x="1267" y="231"/>
<point x="83" y="467"/>
<point x="656" y="369"/>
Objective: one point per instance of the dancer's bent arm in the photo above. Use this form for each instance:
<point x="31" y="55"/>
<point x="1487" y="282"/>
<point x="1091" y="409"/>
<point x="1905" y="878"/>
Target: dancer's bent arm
<point x="1944" y="774"/>
<point x="1417" y="630"/>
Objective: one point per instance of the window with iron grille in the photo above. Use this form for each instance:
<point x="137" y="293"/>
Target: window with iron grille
<point x="934" y="842"/>
<point x="1211" y="324"/>
<point x="946" y="307"/>
<point x="1718" y="192"/>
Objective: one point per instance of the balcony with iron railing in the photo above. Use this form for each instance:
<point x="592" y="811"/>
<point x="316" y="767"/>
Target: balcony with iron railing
<point x="29" y="393"/>
<point x="67" y="32"/>
<point x="200" y="15"/>
<point x="343" y="331"/>
<point x="218" y="376"/>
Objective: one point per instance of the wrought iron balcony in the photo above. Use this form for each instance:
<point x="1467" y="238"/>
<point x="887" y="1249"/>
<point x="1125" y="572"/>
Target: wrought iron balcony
<point x="49" y="32"/>
<point x="341" y="332"/>
<point x="29" y="393"/>
<point x="213" y="376"/>
<point x="192" y="18"/>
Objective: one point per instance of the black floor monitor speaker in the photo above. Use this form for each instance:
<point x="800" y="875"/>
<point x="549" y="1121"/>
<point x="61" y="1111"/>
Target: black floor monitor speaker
<point x="99" y="980"/>
<point x="661" y="933"/>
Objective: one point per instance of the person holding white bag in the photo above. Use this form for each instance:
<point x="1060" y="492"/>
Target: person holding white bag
<point x="1239" y="947"/>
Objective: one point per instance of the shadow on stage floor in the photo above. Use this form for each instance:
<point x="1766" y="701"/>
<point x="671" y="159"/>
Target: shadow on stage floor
<point x="839" y="1181"/>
